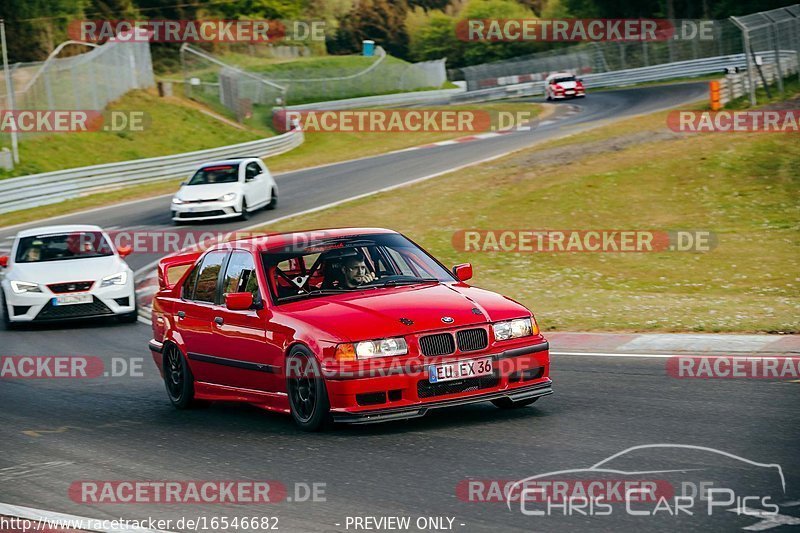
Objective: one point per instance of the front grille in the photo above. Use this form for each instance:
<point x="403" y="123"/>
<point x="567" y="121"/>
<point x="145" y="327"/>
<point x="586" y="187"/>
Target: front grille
<point x="425" y="389"/>
<point x="201" y="201"/>
<point x="212" y="213"/>
<point x="470" y="340"/>
<point x="439" y="344"/>
<point x="56" y="312"/>
<point x="72" y="286"/>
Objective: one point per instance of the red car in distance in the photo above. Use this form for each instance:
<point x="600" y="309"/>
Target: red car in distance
<point x="344" y="325"/>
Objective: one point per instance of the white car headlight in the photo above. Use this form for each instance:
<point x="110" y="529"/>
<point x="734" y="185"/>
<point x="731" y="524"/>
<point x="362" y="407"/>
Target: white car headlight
<point x="116" y="279"/>
<point x="228" y="197"/>
<point x="24" y="286"/>
<point x="381" y="348"/>
<point x="177" y="201"/>
<point x="512" y="329"/>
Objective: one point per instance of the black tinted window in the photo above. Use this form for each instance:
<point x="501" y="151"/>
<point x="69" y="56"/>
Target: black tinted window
<point x="252" y="170"/>
<point x="240" y="276"/>
<point x="217" y="174"/>
<point x="62" y="246"/>
<point x="206" y="287"/>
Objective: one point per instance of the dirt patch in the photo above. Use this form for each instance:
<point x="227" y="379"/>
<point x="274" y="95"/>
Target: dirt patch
<point x="563" y="155"/>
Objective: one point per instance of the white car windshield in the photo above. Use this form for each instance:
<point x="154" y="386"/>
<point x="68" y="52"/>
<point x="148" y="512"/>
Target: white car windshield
<point x="62" y="246"/>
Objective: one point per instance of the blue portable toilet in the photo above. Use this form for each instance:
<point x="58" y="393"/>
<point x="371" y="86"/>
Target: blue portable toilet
<point x="368" y="47"/>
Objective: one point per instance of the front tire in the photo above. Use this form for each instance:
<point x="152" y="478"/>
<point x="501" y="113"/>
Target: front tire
<point x="273" y="200"/>
<point x="178" y="378"/>
<point x="308" y="395"/>
<point x="133" y="316"/>
<point x="508" y="403"/>
<point x="9" y="325"/>
<point x="244" y="215"/>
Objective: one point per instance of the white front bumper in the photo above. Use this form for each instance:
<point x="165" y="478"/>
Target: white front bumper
<point x="205" y="210"/>
<point x="35" y="302"/>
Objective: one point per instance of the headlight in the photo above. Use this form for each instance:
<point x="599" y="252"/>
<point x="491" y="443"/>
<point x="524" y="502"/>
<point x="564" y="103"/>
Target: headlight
<point x="177" y="201"/>
<point x="228" y="197"/>
<point x="116" y="279"/>
<point x="381" y="348"/>
<point x="513" y="329"/>
<point x="24" y="286"/>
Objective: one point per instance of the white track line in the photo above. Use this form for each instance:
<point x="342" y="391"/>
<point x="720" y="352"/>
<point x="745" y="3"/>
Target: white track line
<point x="50" y="519"/>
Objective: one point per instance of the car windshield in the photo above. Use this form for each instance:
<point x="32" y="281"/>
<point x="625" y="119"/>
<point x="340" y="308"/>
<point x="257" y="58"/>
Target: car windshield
<point x="215" y="174"/>
<point x="62" y="246"/>
<point x="348" y="264"/>
<point x="563" y="79"/>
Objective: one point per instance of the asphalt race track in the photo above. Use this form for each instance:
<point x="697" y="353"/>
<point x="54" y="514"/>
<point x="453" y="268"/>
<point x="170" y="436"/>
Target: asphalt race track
<point x="56" y="432"/>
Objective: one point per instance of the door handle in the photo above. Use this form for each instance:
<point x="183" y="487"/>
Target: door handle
<point x="219" y="320"/>
<point x="181" y="314"/>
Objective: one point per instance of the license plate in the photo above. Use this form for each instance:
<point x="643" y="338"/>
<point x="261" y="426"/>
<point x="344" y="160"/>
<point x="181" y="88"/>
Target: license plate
<point x="569" y="92"/>
<point x="459" y="370"/>
<point x="72" y="299"/>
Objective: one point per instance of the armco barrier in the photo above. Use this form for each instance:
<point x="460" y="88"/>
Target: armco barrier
<point x="51" y="187"/>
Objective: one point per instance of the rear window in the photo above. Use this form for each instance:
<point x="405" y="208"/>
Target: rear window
<point x="216" y="174"/>
<point x="62" y="246"/>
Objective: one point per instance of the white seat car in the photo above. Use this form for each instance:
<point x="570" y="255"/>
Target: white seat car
<point x="225" y="189"/>
<point x="65" y="272"/>
<point x="563" y="85"/>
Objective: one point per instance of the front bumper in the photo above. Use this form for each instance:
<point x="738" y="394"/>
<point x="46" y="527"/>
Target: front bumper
<point x="38" y="306"/>
<point x="205" y="210"/>
<point x="404" y="391"/>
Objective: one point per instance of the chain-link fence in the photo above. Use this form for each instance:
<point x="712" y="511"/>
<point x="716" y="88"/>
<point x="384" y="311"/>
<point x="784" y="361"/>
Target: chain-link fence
<point x="244" y="89"/>
<point x="88" y="81"/>
<point x="768" y="36"/>
<point x="695" y="39"/>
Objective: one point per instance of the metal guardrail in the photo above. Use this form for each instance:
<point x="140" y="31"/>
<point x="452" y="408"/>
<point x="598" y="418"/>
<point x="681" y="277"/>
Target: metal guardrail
<point x="51" y="187"/>
<point x="620" y="78"/>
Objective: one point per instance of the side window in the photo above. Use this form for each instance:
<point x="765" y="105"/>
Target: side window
<point x="190" y="283"/>
<point x="206" y="286"/>
<point x="240" y="276"/>
<point x="252" y="170"/>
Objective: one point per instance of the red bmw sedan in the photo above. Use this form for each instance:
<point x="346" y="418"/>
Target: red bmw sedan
<point x="345" y="325"/>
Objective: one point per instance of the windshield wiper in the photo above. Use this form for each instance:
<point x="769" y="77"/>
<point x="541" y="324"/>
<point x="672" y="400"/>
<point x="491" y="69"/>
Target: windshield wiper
<point x="395" y="282"/>
<point x="309" y="294"/>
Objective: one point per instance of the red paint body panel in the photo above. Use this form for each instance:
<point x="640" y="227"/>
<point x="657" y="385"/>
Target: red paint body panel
<point x="240" y="355"/>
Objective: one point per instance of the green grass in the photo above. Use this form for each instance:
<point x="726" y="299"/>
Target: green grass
<point x="171" y="128"/>
<point x="743" y="187"/>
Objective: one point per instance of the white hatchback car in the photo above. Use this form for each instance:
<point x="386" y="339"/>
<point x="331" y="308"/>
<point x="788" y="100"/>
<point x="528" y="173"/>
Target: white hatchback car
<point x="65" y="272"/>
<point x="225" y="189"/>
<point x="563" y="85"/>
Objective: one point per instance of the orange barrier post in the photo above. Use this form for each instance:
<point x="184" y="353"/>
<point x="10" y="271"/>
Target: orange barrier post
<point x="715" y="101"/>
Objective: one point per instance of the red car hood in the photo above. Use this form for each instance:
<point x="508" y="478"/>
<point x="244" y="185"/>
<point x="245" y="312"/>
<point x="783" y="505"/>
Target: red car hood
<point x="377" y="313"/>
